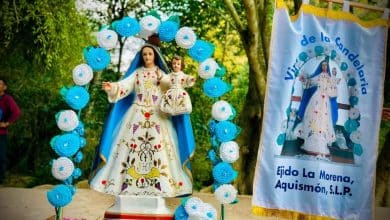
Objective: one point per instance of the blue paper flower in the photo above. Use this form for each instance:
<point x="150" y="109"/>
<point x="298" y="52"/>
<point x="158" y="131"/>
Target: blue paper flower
<point x="79" y="157"/>
<point x="97" y="58"/>
<point x="353" y="100"/>
<point x="76" y="173"/>
<point x="76" y="97"/>
<point x="224" y="173"/>
<point x="318" y="50"/>
<point x="215" y="87"/>
<point x="352" y="82"/>
<point x="180" y="213"/>
<point x="351" y="125"/>
<point x="226" y="131"/>
<point x="303" y="56"/>
<point x="201" y="51"/>
<point x="343" y="66"/>
<point x="357" y="149"/>
<point x="59" y="196"/>
<point x="127" y="27"/>
<point x="66" y="145"/>
<point x="167" y="30"/>
<point x="333" y="54"/>
<point x="281" y="138"/>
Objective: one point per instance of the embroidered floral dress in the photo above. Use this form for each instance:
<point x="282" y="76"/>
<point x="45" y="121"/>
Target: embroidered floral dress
<point x="176" y="100"/>
<point x="317" y="127"/>
<point x="144" y="158"/>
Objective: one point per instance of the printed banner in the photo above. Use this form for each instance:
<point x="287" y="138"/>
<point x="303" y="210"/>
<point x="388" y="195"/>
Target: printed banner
<point x="319" y="141"/>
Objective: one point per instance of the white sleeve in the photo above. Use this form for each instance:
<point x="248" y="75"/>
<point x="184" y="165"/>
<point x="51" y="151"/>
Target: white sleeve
<point x="121" y="89"/>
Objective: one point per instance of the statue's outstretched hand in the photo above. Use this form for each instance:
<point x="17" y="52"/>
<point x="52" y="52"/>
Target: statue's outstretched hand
<point x="107" y="86"/>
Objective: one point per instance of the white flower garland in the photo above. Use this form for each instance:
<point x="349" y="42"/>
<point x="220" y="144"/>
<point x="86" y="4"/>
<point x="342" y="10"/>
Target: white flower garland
<point x="185" y="38"/>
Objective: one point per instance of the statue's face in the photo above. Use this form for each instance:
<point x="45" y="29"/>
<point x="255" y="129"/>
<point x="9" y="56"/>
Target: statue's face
<point x="148" y="56"/>
<point x="176" y="65"/>
<point x="324" y="67"/>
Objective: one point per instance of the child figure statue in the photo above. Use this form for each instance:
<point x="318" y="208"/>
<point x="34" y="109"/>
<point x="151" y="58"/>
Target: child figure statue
<point x="176" y="100"/>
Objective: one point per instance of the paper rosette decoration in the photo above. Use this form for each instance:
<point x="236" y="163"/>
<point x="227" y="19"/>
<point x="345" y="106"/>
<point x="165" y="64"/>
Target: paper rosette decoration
<point x="126" y="27"/>
<point x="226" y="131"/>
<point x="193" y="206"/>
<point x="208" y="68"/>
<point x="222" y="111"/>
<point x="209" y="212"/>
<point x="62" y="168"/>
<point x="97" y="58"/>
<point x="107" y="39"/>
<point x="167" y="30"/>
<point x="67" y="120"/>
<point x="354" y="113"/>
<point x="149" y="26"/>
<point x="67" y="145"/>
<point x="224" y="173"/>
<point x="201" y="50"/>
<point x="229" y="151"/>
<point x="76" y="97"/>
<point x="185" y="37"/>
<point x="215" y="87"/>
<point x="226" y="194"/>
<point x="82" y="74"/>
<point x="60" y="196"/>
<point x="181" y="213"/>
<point x="356" y="136"/>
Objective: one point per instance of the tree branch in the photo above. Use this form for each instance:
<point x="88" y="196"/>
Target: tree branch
<point x="232" y="10"/>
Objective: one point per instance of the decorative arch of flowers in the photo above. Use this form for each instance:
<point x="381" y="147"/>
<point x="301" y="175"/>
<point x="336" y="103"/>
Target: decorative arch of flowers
<point x="348" y="74"/>
<point x="69" y="144"/>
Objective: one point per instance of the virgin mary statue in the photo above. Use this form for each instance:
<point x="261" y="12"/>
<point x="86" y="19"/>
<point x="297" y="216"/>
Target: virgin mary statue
<point x="317" y="111"/>
<point x="143" y="151"/>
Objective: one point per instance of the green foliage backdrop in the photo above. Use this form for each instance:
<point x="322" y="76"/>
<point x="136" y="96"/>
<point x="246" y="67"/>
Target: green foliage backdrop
<point x="42" y="41"/>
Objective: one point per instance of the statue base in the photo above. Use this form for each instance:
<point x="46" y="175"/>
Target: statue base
<point x="141" y="208"/>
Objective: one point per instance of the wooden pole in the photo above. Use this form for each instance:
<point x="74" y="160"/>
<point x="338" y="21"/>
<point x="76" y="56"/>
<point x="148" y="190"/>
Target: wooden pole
<point x="358" y="5"/>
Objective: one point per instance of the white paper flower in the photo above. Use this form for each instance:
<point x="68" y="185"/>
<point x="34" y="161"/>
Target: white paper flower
<point x="354" y="113"/>
<point x="62" y="168"/>
<point x="356" y="136"/>
<point x="208" y="68"/>
<point x="310" y="53"/>
<point x="209" y="212"/>
<point x="107" y="39"/>
<point x="82" y="74"/>
<point x="226" y="194"/>
<point x="67" y="120"/>
<point x="229" y="151"/>
<point x="326" y="50"/>
<point x="195" y="217"/>
<point x="149" y="25"/>
<point x="185" y="37"/>
<point x="221" y="111"/>
<point x="353" y="91"/>
<point x="194" y="206"/>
